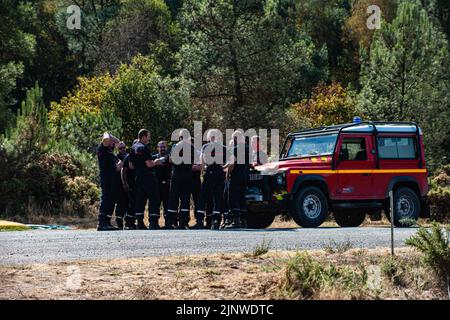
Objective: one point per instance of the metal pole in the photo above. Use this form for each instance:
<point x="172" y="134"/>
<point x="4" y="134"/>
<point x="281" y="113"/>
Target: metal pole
<point x="391" y="200"/>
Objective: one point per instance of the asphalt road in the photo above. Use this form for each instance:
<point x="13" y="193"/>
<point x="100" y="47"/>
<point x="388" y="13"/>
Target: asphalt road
<point x="27" y="247"/>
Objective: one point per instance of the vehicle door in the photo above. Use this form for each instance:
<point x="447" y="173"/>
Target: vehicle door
<point x="354" y="167"/>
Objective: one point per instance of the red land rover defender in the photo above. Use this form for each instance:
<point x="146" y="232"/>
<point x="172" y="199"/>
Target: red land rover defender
<point x="347" y="169"/>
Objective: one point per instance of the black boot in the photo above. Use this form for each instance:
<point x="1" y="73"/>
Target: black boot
<point x="184" y="221"/>
<point x="215" y="225"/>
<point x="198" y="225"/>
<point x="227" y="221"/>
<point x="119" y="223"/>
<point x="208" y="221"/>
<point x="169" y="225"/>
<point x="141" y="224"/>
<point x="169" y="221"/>
<point x="153" y="223"/>
<point x="244" y="221"/>
<point x="236" y="222"/>
<point x="104" y="224"/>
<point x="130" y="223"/>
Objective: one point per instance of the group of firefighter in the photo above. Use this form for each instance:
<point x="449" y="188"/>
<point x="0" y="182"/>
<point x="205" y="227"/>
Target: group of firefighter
<point x="215" y="177"/>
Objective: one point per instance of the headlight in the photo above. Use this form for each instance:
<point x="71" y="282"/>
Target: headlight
<point x="280" y="180"/>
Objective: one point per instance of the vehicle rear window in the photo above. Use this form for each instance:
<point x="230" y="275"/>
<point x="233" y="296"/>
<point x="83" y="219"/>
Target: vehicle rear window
<point x="397" y="148"/>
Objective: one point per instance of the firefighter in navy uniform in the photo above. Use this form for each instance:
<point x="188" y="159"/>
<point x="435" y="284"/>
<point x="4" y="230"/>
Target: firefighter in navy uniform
<point x="129" y="185"/>
<point x="181" y="182"/>
<point x="120" y="195"/>
<point x="163" y="174"/>
<point x="213" y="158"/>
<point x="227" y="217"/>
<point x="238" y="168"/>
<point x="196" y="181"/>
<point x="146" y="182"/>
<point x="107" y="167"/>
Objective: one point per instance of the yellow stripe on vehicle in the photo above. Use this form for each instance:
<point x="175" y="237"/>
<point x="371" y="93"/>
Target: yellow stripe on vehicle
<point x="358" y="171"/>
<point x="400" y="171"/>
<point x="312" y="171"/>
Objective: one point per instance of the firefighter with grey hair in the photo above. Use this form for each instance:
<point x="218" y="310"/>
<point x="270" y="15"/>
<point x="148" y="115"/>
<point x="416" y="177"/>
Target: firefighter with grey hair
<point x="182" y="158"/>
<point x="109" y="165"/>
<point x="213" y="157"/>
<point x="238" y="167"/>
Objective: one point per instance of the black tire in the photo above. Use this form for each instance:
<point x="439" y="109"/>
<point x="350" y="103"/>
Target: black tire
<point x="349" y="218"/>
<point x="315" y="200"/>
<point x="259" y="220"/>
<point x="406" y="207"/>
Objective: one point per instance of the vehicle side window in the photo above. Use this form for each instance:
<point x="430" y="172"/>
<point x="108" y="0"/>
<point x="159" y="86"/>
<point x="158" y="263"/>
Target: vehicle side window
<point x="353" y="149"/>
<point x="397" y="148"/>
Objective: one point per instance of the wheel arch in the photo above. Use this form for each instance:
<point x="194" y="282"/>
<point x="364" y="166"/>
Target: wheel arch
<point x="403" y="181"/>
<point x="311" y="180"/>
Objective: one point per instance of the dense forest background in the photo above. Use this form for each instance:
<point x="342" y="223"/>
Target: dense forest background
<point x="158" y="64"/>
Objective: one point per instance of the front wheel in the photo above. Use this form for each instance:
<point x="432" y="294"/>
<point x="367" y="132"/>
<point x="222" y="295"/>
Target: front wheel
<point x="310" y="207"/>
<point x="349" y="218"/>
<point x="259" y="220"/>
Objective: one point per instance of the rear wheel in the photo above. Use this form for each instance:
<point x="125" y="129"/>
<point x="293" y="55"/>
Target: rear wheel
<point x="406" y="207"/>
<point x="310" y="207"/>
<point x="259" y="220"/>
<point x="349" y="218"/>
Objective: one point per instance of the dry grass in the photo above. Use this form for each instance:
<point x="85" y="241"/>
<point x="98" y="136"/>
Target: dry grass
<point x="356" y="273"/>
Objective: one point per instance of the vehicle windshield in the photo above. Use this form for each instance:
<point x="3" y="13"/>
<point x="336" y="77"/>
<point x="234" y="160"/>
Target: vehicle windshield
<point x="312" y="146"/>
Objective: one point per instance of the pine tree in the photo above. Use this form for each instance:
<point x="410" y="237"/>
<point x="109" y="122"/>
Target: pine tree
<point x="405" y="76"/>
<point x="246" y="60"/>
<point x="32" y="129"/>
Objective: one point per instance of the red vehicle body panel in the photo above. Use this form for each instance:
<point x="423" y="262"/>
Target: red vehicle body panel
<point x="355" y="180"/>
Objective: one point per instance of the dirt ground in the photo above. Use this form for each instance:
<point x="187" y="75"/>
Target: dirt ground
<point x="222" y="276"/>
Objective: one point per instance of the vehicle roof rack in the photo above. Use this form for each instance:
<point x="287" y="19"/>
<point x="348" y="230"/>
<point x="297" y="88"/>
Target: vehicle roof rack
<point x="340" y="127"/>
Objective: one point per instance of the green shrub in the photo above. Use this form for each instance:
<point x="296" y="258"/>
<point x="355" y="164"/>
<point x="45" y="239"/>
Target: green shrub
<point x="338" y="247"/>
<point x="434" y="244"/>
<point x="54" y="180"/>
<point x="441" y="180"/>
<point x="82" y="196"/>
<point x="144" y="99"/>
<point x="393" y="269"/>
<point x="85" y="162"/>
<point x="41" y="175"/>
<point x="439" y="199"/>
<point x="74" y="129"/>
<point x="261" y="248"/>
<point x="439" y="195"/>
<point x="306" y="278"/>
<point x="86" y="99"/>
<point x="43" y="185"/>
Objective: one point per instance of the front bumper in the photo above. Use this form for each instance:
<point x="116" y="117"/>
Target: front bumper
<point x="267" y="192"/>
